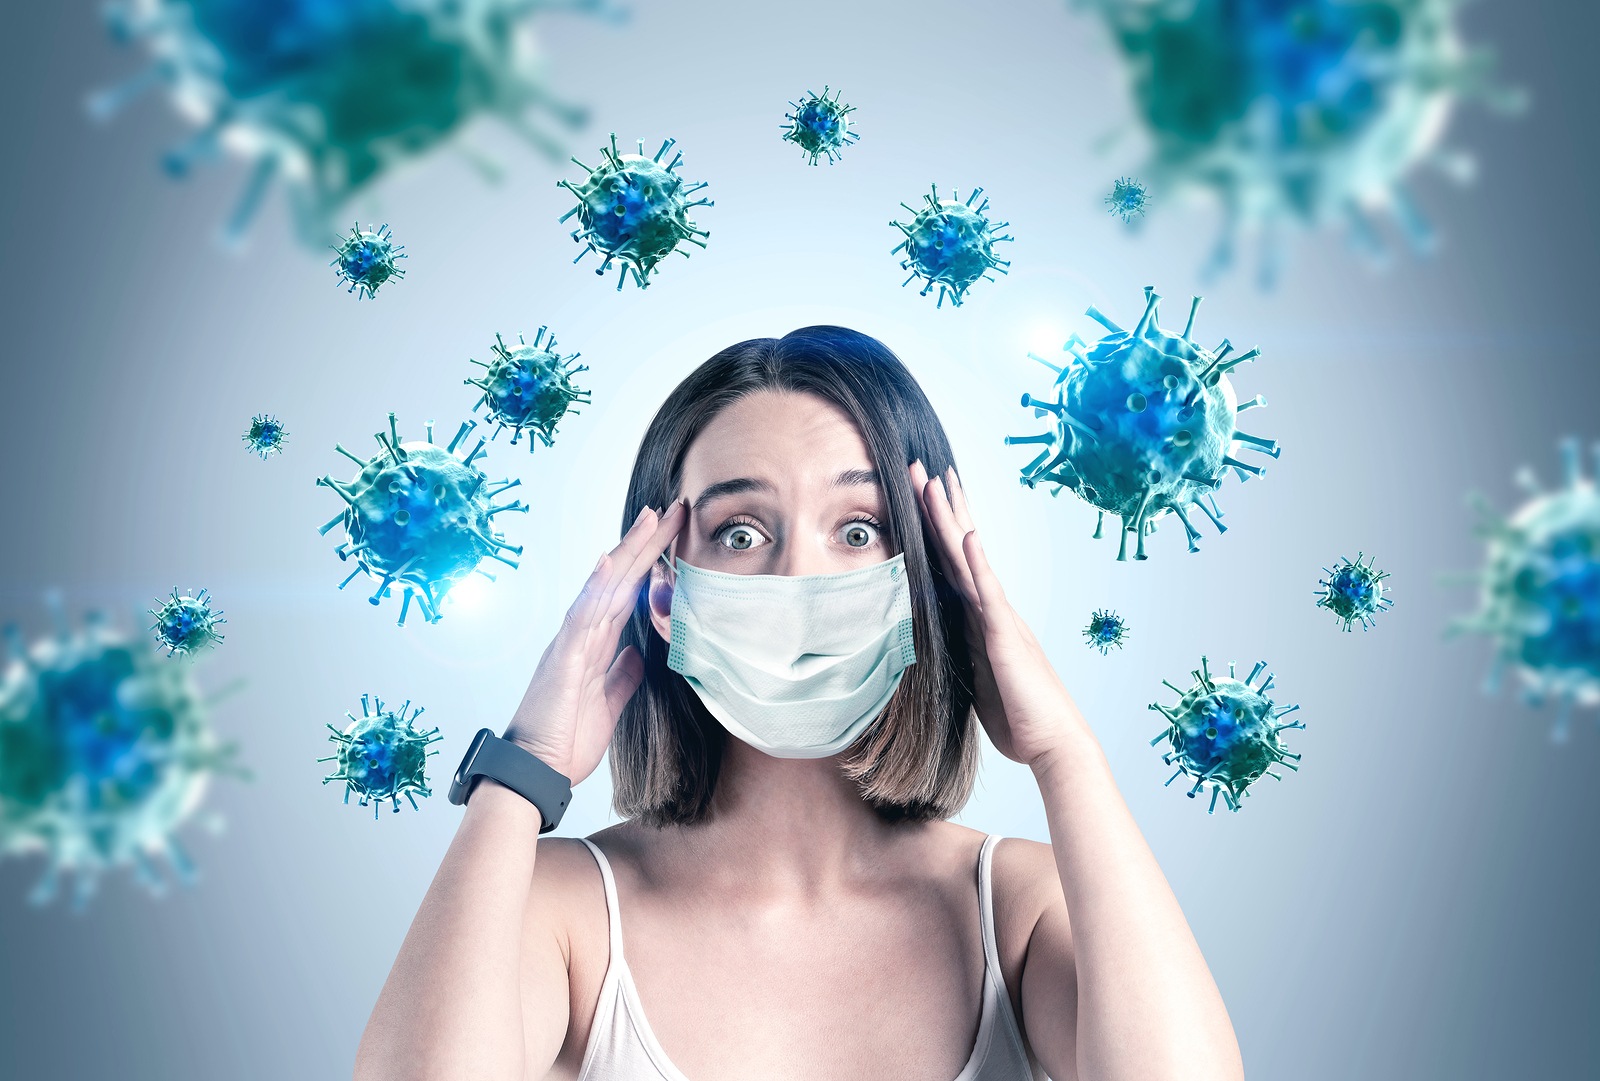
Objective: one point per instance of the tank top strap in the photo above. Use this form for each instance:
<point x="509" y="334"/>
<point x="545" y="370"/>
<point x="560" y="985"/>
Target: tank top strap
<point x="613" y="916"/>
<point x="991" y="949"/>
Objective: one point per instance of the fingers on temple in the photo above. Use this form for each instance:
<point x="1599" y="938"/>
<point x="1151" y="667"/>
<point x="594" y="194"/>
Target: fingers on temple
<point x="597" y="588"/>
<point x="950" y="536"/>
<point x="983" y="576"/>
<point x="642" y="551"/>
<point x="958" y="500"/>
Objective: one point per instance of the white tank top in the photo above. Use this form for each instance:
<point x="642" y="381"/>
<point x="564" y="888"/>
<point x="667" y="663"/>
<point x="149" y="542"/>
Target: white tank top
<point x="622" y="1046"/>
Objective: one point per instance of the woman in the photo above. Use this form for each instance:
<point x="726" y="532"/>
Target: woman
<point x="808" y="626"/>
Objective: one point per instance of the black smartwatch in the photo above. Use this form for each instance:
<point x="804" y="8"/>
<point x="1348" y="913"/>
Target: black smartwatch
<point x="519" y="770"/>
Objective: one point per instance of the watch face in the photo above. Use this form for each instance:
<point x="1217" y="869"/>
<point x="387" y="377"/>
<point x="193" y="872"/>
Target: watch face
<point x="461" y="782"/>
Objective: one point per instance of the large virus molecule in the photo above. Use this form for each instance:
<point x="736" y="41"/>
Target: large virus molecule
<point x="529" y="386"/>
<point x="1354" y="591"/>
<point x="187" y="623"/>
<point x="105" y="751"/>
<point x="328" y="97"/>
<point x="1225" y="733"/>
<point x="366" y="259"/>
<point x="635" y="211"/>
<point x="1540" y="592"/>
<point x="382" y="755"/>
<point x="1144" y="424"/>
<point x="1128" y="199"/>
<point x="820" y="126"/>
<point x="265" y="436"/>
<point x="1299" y="112"/>
<point x="1105" y="631"/>
<point x="419" y="516"/>
<point x="950" y="243"/>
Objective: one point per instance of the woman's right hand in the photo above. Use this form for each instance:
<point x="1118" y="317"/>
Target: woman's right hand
<point x="577" y="693"/>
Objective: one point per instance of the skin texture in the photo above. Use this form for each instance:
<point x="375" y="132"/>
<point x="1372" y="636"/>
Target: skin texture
<point x="760" y="939"/>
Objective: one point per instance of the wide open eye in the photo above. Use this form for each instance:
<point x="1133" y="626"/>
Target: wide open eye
<point x="739" y="537"/>
<point x="860" y="533"/>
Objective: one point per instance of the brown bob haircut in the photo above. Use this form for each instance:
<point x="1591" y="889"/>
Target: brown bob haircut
<point x="919" y="759"/>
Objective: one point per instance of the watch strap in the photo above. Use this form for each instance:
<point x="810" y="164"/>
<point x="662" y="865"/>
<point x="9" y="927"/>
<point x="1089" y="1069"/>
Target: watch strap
<point x="519" y="770"/>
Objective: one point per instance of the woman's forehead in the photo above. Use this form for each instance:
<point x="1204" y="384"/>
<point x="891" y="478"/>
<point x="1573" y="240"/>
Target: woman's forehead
<point x="785" y="439"/>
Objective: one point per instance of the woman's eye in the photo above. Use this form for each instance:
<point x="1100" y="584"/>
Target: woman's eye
<point x="739" y="538"/>
<point x="860" y="534"/>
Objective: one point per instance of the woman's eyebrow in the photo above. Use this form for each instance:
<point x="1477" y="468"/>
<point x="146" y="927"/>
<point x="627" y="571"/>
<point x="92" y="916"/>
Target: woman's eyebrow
<point x="740" y="485"/>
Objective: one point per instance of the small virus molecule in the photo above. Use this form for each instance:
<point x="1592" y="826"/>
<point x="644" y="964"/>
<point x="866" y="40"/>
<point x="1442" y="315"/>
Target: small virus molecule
<point x="1354" y="591"/>
<point x="330" y="97"/>
<point x="187" y="623"/>
<point x="1300" y="112"/>
<point x="419" y="516"/>
<point x="1145" y="424"/>
<point x="1105" y="630"/>
<point x="381" y="755"/>
<point x="529" y="386"/>
<point x="950" y="243"/>
<point x="1128" y="199"/>
<point x="820" y="126"/>
<point x="634" y="210"/>
<point x="1540" y="592"/>
<point x="1224" y="732"/>
<point x="366" y="259"/>
<point x="105" y="751"/>
<point x="265" y="437"/>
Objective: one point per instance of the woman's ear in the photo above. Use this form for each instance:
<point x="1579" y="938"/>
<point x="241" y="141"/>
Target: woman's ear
<point x="662" y="580"/>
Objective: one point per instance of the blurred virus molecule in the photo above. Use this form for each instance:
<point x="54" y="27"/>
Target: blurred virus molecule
<point x="1225" y="733"/>
<point x="382" y="755"/>
<point x="1540" y="592"/>
<point x="1309" y="112"/>
<point x="265" y="436"/>
<point x="1144" y="424"/>
<point x="105" y="751"/>
<point x="366" y="259"/>
<point x="419" y="516"/>
<point x="1354" y="591"/>
<point x="1128" y="199"/>
<point x="950" y="243"/>
<point x="820" y="126"/>
<point x="331" y="95"/>
<point x="529" y="386"/>
<point x="1105" y="630"/>
<point x="187" y="623"/>
<point x="634" y="210"/>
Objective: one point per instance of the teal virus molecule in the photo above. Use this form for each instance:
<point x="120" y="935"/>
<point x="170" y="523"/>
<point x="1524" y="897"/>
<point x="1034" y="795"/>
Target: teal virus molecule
<point x="329" y="96"/>
<point x="1144" y="424"/>
<point x="820" y="126"/>
<point x="635" y="211"/>
<point x="1540" y="593"/>
<point x="419" y="516"/>
<point x="529" y="386"/>
<point x="186" y="624"/>
<point x="950" y="243"/>
<point x="1128" y="199"/>
<point x="1300" y="112"/>
<point x="1225" y="733"/>
<point x="105" y="751"/>
<point x="382" y="755"/>
<point x="366" y="259"/>
<point x="1354" y="591"/>
<point x="1105" y="630"/>
<point x="265" y="436"/>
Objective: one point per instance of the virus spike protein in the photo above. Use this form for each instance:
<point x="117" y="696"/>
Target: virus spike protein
<point x="1354" y="591"/>
<point x="265" y="437"/>
<point x="382" y="755"/>
<point x="529" y="386"/>
<point x="186" y="624"/>
<point x="820" y="126"/>
<point x="366" y="259"/>
<point x="1129" y="198"/>
<point x="950" y="243"/>
<point x="1105" y="630"/>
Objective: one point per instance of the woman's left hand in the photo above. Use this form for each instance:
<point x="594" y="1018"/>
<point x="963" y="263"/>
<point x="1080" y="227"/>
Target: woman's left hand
<point x="1020" y="700"/>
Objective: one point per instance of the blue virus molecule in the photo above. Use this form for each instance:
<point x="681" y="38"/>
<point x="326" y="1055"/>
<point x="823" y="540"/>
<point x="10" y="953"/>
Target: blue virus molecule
<point x="635" y="211"/>
<point x="329" y="96"/>
<point x="820" y="126"/>
<point x="1225" y="732"/>
<point x="186" y="624"/>
<point x="1128" y="199"/>
<point x="1354" y="591"/>
<point x="1300" y="112"/>
<point x="366" y="259"/>
<point x="529" y="386"/>
<point x="950" y="243"/>
<point x="1144" y="424"/>
<point x="265" y="436"/>
<point x="1540" y="592"/>
<point x="419" y="516"/>
<point x="382" y="755"/>
<point x="1106" y="630"/>
<point x="105" y="752"/>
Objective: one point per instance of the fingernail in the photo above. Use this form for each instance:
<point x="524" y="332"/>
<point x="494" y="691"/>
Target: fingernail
<point x="638" y="517"/>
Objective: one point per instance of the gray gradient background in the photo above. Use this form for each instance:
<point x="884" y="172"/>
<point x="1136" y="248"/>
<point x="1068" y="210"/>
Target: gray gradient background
<point x="1418" y="902"/>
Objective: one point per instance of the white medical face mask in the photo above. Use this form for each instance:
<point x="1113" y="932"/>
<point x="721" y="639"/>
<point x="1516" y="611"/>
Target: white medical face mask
<point x="794" y="665"/>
